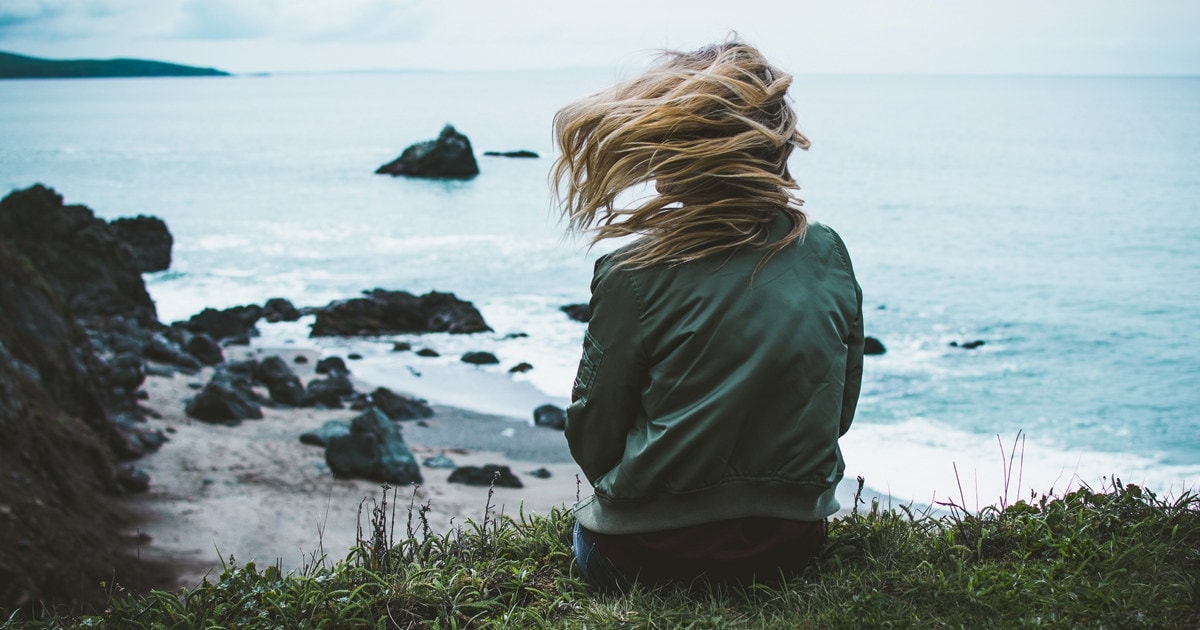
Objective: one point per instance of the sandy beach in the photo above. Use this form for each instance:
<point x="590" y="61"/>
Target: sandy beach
<point x="255" y="492"/>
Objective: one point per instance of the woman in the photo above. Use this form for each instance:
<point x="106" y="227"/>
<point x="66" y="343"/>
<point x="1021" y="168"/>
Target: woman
<point x="723" y="358"/>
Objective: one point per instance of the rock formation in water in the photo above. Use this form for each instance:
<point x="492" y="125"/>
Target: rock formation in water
<point x="449" y="156"/>
<point x="382" y="312"/>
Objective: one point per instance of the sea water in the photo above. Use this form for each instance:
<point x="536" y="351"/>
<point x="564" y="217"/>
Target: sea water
<point x="1056" y="219"/>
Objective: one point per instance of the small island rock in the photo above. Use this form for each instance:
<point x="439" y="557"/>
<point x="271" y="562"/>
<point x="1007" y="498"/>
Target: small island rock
<point x="449" y="156"/>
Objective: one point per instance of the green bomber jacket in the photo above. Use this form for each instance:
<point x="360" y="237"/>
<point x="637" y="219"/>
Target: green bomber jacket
<point x="707" y="391"/>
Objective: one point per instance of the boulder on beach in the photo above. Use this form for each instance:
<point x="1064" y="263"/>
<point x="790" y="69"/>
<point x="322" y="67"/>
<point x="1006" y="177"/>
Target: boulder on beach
<point x="398" y="407"/>
<point x="228" y="398"/>
<point x="448" y="156"/>
<point x="327" y="431"/>
<point x="967" y="345"/>
<point x="282" y="383"/>
<point x="550" y="416"/>
<point x="382" y="312"/>
<point x="872" y="346"/>
<point x="486" y="475"/>
<point x="374" y="450"/>
<point x="328" y="392"/>
<point x="149" y="240"/>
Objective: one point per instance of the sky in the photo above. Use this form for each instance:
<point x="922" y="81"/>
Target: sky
<point x="803" y="36"/>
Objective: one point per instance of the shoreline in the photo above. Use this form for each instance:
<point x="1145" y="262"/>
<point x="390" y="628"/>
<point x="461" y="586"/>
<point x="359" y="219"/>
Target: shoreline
<point x="255" y="492"/>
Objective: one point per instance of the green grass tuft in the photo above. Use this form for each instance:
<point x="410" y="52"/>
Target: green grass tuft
<point x="1116" y="558"/>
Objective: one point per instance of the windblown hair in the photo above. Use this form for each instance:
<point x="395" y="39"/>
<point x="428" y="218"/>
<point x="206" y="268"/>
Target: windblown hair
<point x="712" y="129"/>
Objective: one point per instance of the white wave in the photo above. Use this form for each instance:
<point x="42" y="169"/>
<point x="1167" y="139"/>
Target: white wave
<point x="926" y="461"/>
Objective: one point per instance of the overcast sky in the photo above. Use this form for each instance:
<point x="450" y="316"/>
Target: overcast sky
<point x="803" y="36"/>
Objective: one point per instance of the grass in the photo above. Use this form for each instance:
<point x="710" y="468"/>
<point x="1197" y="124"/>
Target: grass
<point x="1117" y="557"/>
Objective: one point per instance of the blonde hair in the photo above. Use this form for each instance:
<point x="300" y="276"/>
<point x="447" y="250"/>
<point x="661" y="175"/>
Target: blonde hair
<point x="712" y="128"/>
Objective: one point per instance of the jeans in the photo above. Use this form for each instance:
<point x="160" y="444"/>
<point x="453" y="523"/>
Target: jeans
<point x="596" y="569"/>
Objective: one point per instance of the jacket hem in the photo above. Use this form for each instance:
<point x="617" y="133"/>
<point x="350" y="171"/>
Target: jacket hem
<point x="724" y="502"/>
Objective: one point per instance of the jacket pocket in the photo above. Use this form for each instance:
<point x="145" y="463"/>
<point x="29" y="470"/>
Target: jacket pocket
<point x="589" y="365"/>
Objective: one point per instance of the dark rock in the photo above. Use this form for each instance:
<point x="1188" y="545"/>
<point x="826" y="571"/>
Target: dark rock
<point x="967" y="345"/>
<point x="383" y="312"/>
<point x="428" y="352"/>
<point x="332" y="365"/>
<point x="132" y="437"/>
<point x="283" y="384"/>
<point x="520" y="368"/>
<point x="439" y="461"/>
<point x="149" y="239"/>
<point x="449" y="156"/>
<point x="872" y="346"/>
<point x="280" y="310"/>
<point x="486" y="475"/>
<point x="164" y="350"/>
<point x="550" y="416"/>
<point x="354" y="356"/>
<point x="229" y="323"/>
<point x="79" y="257"/>
<point x="373" y="450"/>
<point x="300" y="359"/>
<point x="328" y="391"/>
<point x="479" y="358"/>
<point x="219" y="403"/>
<point x="205" y="349"/>
<point x="541" y="473"/>
<point x="516" y="335"/>
<point x="360" y="401"/>
<point x="401" y="346"/>
<point x="578" y="312"/>
<point x="132" y="478"/>
<point x="520" y="153"/>
<point x="397" y="407"/>
<point x="321" y="436"/>
<point x="126" y="371"/>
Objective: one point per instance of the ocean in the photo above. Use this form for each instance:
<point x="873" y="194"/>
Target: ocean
<point x="1056" y="219"/>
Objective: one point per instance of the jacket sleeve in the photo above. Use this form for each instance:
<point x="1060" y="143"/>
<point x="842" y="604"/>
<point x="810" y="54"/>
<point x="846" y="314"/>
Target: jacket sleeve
<point x="606" y="396"/>
<point x="854" y="365"/>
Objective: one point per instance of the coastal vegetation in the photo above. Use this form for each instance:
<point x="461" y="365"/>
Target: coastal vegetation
<point x="13" y="66"/>
<point x="1116" y="557"/>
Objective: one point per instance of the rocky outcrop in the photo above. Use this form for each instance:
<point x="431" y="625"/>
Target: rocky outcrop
<point x="449" y="156"/>
<point x="231" y="323"/>
<point x="74" y="321"/>
<point x="873" y="346"/>
<point x="149" y="240"/>
<point x="80" y="258"/>
<point x="382" y="312"/>
<point x="373" y="450"/>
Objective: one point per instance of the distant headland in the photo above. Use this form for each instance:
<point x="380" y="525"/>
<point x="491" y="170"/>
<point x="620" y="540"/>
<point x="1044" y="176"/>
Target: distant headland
<point x="14" y="66"/>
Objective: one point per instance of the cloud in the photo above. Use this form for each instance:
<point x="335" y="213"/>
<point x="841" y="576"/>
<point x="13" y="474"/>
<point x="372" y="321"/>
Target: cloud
<point x="281" y="20"/>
